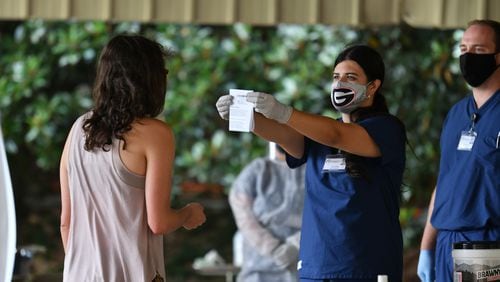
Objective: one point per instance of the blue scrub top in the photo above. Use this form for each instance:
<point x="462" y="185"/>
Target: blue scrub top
<point x="350" y="226"/>
<point x="468" y="187"/>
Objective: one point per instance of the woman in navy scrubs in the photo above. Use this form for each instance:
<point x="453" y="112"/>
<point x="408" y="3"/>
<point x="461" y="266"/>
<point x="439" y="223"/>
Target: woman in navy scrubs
<point x="354" y="170"/>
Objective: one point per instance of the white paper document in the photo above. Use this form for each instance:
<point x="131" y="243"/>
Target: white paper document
<point x="241" y="111"/>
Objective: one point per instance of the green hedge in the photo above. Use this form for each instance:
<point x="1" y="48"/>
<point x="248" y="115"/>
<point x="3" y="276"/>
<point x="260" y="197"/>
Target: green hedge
<point x="47" y="68"/>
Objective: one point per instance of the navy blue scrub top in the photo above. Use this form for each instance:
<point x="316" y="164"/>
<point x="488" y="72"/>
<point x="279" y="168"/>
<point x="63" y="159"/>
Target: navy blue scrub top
<point x="468" y="187"/>
<point x="350" y="226"/>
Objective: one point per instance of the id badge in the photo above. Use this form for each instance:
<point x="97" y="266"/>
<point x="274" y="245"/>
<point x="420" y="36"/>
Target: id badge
<point x="466" y="140"/>
<point x="334" y="163"/>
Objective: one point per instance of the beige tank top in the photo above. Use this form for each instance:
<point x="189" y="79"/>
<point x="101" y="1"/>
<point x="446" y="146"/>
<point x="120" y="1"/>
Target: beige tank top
<point x="109" y="237"/>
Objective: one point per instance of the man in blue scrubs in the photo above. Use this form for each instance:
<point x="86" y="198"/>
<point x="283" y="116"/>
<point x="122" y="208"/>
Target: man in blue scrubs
<point x="465" y="205"/>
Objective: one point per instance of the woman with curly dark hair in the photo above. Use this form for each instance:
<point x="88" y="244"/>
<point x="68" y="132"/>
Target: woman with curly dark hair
<point x="116" y="171"/>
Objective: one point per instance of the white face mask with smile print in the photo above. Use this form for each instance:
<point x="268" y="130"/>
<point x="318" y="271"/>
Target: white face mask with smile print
<point x="347" y="96"/>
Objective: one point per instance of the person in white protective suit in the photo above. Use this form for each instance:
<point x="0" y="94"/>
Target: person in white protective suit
<point x="267" y="201"/>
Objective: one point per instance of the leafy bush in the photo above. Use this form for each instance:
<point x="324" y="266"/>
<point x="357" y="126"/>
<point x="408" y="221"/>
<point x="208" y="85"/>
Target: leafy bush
<point x="47" y="68"/>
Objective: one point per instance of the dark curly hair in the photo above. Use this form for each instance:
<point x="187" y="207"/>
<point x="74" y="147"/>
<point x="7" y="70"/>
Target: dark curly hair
<point x="130" y="84"/>
<point x="372" y="64"/>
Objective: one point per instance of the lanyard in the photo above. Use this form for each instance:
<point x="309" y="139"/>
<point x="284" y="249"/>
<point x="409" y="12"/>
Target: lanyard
<point x="467" y="138"/>
<point x="473" y="119"/>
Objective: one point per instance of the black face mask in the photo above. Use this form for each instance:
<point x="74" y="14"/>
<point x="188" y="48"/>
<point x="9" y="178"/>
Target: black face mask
<point x="476" y="68"/>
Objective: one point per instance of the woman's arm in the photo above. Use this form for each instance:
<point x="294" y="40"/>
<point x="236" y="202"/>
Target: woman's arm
<point x="349" y="137"/>
<point x="346" y="136"/>
<point x="159" y="151"/>
<point x="285" y="136"/>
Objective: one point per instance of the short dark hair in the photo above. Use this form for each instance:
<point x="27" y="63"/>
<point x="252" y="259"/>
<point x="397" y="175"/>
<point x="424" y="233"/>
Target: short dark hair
<point x="494" y="25"/>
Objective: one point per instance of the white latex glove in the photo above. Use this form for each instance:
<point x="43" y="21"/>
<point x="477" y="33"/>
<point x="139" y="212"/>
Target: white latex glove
<point x="223" y="104"/>
<point x="285" y="256"/>
<point x="270" y="107"/>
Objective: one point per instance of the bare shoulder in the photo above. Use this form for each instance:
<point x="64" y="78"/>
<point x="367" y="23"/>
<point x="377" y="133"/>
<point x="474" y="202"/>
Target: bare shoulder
<point x="153" y="128"/>
<point x="150" y="135"/>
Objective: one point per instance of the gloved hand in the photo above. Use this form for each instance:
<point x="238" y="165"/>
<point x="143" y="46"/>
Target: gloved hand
<point x="270" y="107"/>
<point x="426" y="266"/>
<point x="223" y="104"/>
<point x="285" y="255"/>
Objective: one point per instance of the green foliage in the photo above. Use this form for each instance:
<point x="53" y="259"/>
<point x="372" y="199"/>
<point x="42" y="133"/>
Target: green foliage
<point x="48" y="70"/>
<point x="46" y="74"/>
<point x="44" y="85"/>
<point x="208" y="61"/>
